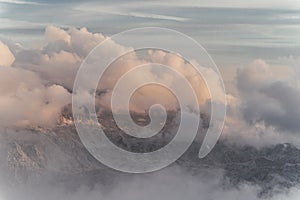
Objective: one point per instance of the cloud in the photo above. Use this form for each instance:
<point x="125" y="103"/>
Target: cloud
<point x="50" y="70"/>
<point x="6" y="56"/>
<point x="77" y="41"/>
<point x="96" y="8"/>
<point x="280" y="107"/>
<point x="253" y="77"/>
<point x="265" y="112"/>
<point x="169" y="184"/>
<point x="276" y="103"/>
<point x="21" y="2"/>
<point x="264" y="107"/>
<point x="53" y="34"/>
<point x="26" y="101"/>
<point x="58" y="61"/>
<point x="84" y="41"/>
<point x="149" y="95"/>
<point x="155" y="16"/>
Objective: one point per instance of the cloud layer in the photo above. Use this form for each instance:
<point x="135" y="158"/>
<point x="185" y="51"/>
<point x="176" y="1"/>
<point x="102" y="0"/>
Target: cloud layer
<point x="49" y="72"/>
<point x="169" y="184"/>
<point x="38" y="82"/>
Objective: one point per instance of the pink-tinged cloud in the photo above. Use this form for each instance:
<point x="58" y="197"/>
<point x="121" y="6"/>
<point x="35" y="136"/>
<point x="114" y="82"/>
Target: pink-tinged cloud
<point x="6" y="56"/>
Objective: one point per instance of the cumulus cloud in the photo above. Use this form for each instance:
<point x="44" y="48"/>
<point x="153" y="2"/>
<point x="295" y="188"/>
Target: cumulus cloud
<point x="53" y="34"/>
<point x="265" y="112"/>
<point x="58" y="61"/>
<point x="54" y="67"/>
<point x="84" y="41"/>
<point x="148" y="95"/>
<point x="26" y="101"/>
<point x="280" y="107"/>
<point x="253" y="77"/>
<point x="262" y="101"/>
<point x="77" y="41"/>
<point x="6" y="56"/>
<point x="276" y="103"/>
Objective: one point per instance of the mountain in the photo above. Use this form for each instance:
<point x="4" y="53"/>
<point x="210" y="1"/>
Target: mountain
<point x="57" y="155"/>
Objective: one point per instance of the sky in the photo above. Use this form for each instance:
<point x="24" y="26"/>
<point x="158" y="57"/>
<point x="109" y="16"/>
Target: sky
<point x="234" y="32"/>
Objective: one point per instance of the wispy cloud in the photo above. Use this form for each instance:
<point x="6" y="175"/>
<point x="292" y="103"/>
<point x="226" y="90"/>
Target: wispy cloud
<point x="127" y="12"/>
<point x="21" y="2"/>
<point x="153" y="16"/>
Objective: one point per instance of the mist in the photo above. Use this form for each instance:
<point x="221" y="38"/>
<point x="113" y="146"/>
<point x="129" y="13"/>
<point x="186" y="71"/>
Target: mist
<point x="168" y="184"/>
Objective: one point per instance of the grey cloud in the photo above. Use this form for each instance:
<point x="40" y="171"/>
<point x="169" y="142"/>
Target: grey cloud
<point x="276" y="103"/>
<point x="169" y="184"/>
<point x="279" y="107"/>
